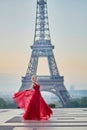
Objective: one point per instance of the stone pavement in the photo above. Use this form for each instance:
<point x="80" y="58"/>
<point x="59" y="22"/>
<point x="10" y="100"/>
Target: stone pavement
<point x="62" y="119"/>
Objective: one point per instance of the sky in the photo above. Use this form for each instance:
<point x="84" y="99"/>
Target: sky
<point x="68" y="29"/>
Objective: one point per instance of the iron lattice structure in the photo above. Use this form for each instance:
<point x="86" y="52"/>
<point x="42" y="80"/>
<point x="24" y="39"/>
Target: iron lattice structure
<point x="42" y="47"/>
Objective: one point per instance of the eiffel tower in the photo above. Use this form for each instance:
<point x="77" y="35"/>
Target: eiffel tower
<point x="42" y="47"/>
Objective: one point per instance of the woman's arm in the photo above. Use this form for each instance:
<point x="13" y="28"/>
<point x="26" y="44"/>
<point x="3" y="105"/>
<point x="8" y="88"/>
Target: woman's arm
<point x="29" y="88"/>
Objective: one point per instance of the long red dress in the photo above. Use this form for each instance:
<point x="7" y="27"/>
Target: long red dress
<point x="33" y="104"/>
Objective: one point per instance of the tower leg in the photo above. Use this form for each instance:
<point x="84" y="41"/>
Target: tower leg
<point x="53" y="67"/>
<point x="32" y="67"/>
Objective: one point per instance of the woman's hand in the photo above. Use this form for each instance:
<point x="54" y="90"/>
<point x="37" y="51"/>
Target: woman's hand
<point x="27" y="89"/>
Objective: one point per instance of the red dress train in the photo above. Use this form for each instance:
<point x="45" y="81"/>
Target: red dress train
<point x="33" y="104"/>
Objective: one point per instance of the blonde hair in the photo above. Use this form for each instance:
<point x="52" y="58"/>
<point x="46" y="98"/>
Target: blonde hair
<point x="33" y="76"/>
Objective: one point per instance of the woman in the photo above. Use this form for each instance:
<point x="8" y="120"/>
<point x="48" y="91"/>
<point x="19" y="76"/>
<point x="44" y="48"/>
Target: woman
<point x="33" y="103"/>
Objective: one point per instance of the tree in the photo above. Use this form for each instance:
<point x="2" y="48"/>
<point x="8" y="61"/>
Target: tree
<point x="83" y="102"/>
<point x="2" y="103"/>
<point x="74" y="103"/>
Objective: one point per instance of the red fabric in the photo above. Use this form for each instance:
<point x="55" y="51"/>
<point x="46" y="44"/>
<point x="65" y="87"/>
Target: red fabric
<point x="33" y="104"/>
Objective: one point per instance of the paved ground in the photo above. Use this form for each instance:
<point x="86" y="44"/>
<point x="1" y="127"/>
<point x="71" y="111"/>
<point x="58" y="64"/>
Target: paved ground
<point x="62" y="119"/>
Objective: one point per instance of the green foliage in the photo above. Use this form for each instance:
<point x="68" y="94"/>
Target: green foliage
<point x="75" y="103"/>
<point x="83" y="102"/>
<point x="7" y="104"/>
<point x="52" y="105"/>
<point x="2" y="103"/>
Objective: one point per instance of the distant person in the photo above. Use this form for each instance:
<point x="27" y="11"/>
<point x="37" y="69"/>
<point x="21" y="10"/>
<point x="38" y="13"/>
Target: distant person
<point x="33" y="103"/>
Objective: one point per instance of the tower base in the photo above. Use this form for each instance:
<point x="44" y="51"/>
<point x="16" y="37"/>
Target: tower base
<point x="55" y="86"/>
